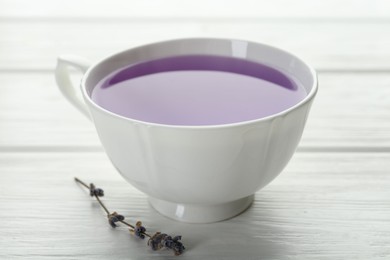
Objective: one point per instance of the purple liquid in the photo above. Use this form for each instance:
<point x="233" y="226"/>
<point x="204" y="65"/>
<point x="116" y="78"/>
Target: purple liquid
<point x="197" y="90"/>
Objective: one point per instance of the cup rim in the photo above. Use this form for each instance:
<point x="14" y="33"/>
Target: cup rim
<point x="301" y="103"/>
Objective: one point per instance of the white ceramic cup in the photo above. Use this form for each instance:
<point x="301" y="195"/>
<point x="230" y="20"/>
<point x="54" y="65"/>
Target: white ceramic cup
<point x="202" y="173"/>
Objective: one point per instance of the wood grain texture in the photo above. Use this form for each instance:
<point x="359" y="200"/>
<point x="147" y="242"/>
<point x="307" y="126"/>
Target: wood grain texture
<point x="343" y="45"/>
<point x="330" y="9"/>
<point x="323" y="206"/>
<point x="351" y="110"/>
<point x="332" y="200"/>
<point x="33" y="112"/>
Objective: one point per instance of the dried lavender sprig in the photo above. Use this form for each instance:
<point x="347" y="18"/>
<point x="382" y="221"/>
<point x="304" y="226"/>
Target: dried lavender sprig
<point x="157" y="241"/>
<point x="91" y="189"/>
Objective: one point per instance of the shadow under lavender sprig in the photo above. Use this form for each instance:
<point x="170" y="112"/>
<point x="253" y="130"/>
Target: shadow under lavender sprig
<point x="156" y="242"/>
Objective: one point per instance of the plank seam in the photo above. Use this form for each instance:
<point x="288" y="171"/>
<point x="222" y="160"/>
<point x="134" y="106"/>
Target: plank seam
<point x="94" y="149"/>
<point x="193" y="19"/>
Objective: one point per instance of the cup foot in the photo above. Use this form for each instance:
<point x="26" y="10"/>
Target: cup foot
<point x="192" y="213"/>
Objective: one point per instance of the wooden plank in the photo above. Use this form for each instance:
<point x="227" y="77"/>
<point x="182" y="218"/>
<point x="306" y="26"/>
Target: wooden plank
<point x="199" y="8"/>
<point x="323" y="206"/>
<point x="344" y="45"/>
<point x="350" y="111"/>
<point x="34" y="113"/>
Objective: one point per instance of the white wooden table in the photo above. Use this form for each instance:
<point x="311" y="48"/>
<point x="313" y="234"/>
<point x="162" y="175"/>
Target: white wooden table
<point x="331" y="202"/>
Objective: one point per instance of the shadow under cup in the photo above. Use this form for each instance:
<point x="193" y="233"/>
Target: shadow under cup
<point x="205" y="166"/>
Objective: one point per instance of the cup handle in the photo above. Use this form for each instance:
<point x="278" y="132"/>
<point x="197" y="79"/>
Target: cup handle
<point x="62" y="75"/>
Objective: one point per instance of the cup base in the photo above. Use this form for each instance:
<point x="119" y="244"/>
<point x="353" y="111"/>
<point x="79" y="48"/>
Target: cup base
<point x="192" y="213"/>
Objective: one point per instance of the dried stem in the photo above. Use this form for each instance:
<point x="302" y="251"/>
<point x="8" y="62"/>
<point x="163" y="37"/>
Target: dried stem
<point x="115" y="217"/>
<point x="81" y="182"/>
<point x="102" y="204"/>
